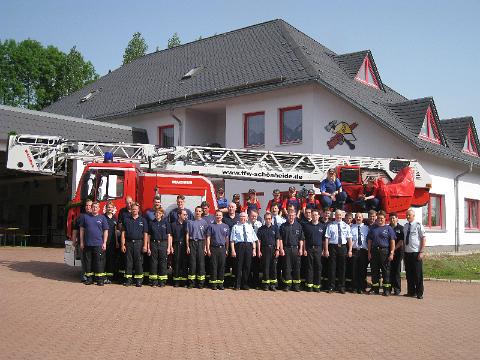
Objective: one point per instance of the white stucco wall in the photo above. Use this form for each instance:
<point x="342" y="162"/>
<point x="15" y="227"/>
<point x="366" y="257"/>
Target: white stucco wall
<point x="371" y="138"/>
<point x="319" y="107"/>
<point x="271" y="103"/>
<point x="152" y="121"/>
<point x="469" y="188"/>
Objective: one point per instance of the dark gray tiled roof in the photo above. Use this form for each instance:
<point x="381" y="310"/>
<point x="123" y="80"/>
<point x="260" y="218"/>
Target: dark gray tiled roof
<point x="456" y="131"/>
<point x="351" y="62"/>
<point x="22" y="121"/>
<point x="257" y="58"/>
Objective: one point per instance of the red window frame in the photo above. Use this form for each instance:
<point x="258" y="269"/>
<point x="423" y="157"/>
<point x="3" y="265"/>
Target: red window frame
<point x="441" y="210"/>
<point x="282" y="112"/>
<point x="469" y="203"/>
<point x="368" y="69"/>
<point x="245" y="129"/>
<point x="471" y="146"/>
<point x="430" y="119"/>
<point x="160" y="130"/>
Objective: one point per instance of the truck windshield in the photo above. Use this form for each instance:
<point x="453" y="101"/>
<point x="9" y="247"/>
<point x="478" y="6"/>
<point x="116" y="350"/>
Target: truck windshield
<point x="103" y="185"/>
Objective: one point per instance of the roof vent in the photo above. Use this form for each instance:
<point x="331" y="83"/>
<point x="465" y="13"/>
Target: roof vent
<point x="191" y="72"/>
<point x="88" y="96"/>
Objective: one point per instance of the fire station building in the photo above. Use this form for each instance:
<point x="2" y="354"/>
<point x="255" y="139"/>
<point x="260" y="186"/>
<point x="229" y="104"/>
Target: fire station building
<point x="270" y="86"/>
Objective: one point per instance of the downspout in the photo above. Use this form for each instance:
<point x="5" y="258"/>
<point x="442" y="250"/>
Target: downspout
<point x="180" y="126"/>
<point x="457" y="207"/>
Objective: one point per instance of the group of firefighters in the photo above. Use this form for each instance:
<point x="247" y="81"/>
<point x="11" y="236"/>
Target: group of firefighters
<point x="299" y="240"/>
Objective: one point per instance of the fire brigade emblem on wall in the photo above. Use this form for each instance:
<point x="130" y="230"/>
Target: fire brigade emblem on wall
<point x="343" y="133"/>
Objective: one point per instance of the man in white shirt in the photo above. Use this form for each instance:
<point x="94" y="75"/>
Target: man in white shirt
<point x="243" y="245"/>
<point x="414" y="240"/>
<point x="339" y="238"/>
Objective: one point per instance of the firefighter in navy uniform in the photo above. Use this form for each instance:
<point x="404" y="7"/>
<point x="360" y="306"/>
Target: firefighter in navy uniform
<point x="381" y="247"/>
<point x="93" y="241"/>
<point x="325" y="219"/>
<point x="218" y="234"/>
<point x="134" y="243"/>
<point x="291" y="244"/>
<point x="122" y="214"/>
<point x="396" y="264"/>
<point x="269" y="250"/>
<point x="76" y="235"/>
<point x="173" y="215"/>
<point x="179" y="249"/>
<point x="256" y="261"/>
<point x="159" y="248"/>
<point x="112" y="244"/>
<point x="196" y="248"/>
<point x="306" y="218"/>
<point x="332" y="192"/>
<point x="314" y="250"/>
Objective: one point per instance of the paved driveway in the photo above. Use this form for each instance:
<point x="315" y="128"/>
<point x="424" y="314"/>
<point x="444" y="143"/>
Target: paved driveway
<point x="45" y="313"/>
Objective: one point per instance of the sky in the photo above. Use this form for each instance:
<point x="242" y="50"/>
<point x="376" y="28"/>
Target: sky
<point x="421" y="48"/>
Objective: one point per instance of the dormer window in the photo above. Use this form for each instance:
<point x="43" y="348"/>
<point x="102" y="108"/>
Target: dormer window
<point x="366" y="74"/>
<point x="470" y="147"/>
<point x="429" y="129"/>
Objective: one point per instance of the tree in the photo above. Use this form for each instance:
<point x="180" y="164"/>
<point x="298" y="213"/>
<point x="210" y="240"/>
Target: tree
<point x="34" y="76"/>
<point x="78" y="72"/>
<point x="136" y="47"/>
<point x="10" y="86"/>
<point x="174" y="41"/>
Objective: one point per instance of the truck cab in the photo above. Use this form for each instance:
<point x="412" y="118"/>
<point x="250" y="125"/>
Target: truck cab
<point x="104" y="182"/>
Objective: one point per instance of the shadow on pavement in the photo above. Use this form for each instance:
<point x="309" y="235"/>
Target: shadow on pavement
<point x="46" y="270"/>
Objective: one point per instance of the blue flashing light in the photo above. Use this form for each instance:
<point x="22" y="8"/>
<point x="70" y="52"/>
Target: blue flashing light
<point x="108" y="157"/>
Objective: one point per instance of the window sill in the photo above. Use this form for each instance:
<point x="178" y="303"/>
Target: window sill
<point x="254" y="147"/>
<point x="472" y="231"/>
<point x="433" y="230"/>
<point x="291" y="143"/>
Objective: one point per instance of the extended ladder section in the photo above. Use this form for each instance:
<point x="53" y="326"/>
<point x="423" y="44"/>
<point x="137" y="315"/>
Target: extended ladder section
<point x="49" y="155"/>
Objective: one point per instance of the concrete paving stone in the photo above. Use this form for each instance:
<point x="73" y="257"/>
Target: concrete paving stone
<point x="46" y="313"/>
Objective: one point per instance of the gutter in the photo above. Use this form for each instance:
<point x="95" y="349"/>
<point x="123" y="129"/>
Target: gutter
<point x="180" y="126"/>
<point x="457" y="206"/>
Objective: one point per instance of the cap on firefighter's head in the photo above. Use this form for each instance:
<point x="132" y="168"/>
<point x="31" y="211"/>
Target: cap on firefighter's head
<point x="205" y="204"/>
<point x="291" y="188"/>
<point x="311" y="192"/>
<point x="276" y="192"/>
<point x="252" y="191"/>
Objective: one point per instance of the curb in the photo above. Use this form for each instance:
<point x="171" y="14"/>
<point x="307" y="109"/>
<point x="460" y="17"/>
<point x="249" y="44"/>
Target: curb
<point x="453" y="280"/>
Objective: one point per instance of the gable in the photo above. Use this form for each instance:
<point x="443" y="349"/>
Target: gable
<point x="361" y="67"/>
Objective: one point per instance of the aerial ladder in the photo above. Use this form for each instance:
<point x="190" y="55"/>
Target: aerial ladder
<point x="49" y="155"/>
